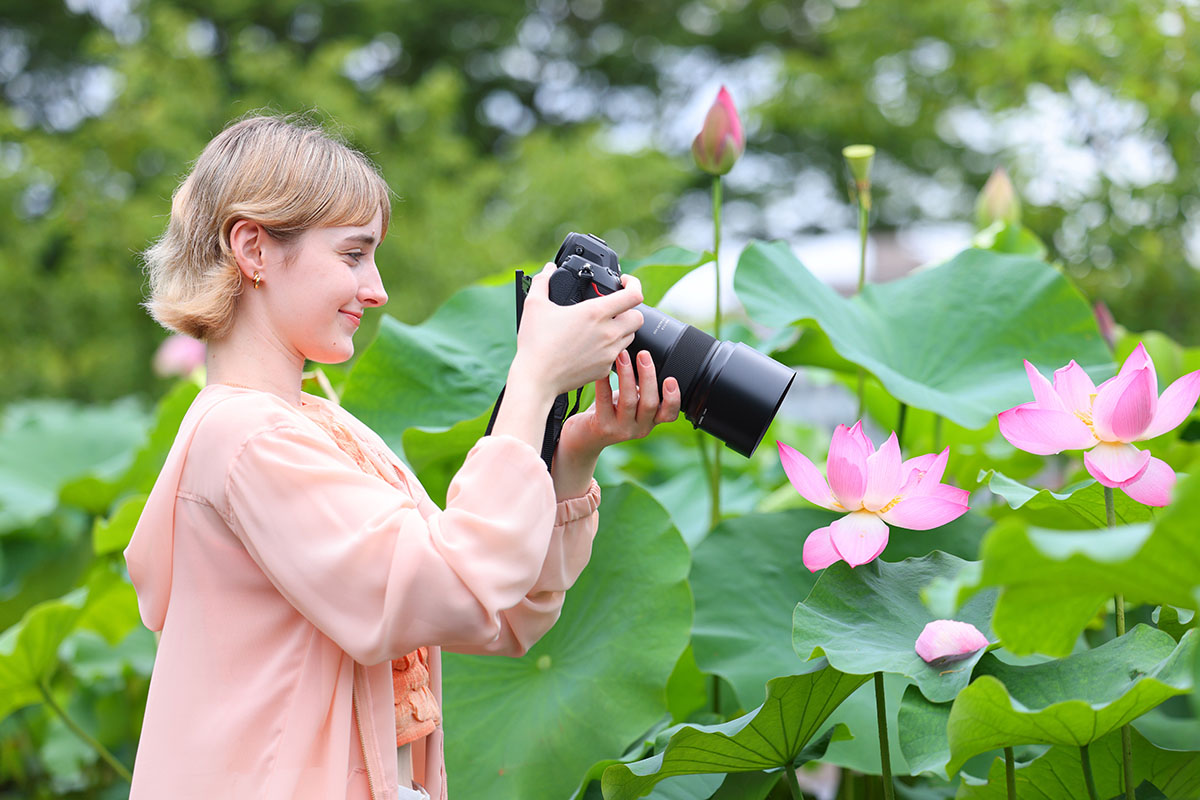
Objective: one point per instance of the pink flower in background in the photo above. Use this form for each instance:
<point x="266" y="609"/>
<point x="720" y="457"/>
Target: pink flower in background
<point x="721" y="141"/>
<point x="945" y="641"/>
<point x="178" y="355"/>
<point x="877" y="489"/>
<point x="1075" y="414"/>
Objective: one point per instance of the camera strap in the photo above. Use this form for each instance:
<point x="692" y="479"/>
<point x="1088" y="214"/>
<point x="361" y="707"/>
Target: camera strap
<point x="558" y="412"/>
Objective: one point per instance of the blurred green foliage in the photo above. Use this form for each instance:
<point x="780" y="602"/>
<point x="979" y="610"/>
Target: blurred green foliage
<point x="494" y="123"/>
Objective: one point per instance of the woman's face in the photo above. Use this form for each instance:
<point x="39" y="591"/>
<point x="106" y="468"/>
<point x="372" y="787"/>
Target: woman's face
<point x="316" y="300"/>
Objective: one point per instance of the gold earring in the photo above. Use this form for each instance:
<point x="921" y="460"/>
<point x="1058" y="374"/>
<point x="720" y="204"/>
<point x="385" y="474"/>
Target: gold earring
<point x="257" y="279"/>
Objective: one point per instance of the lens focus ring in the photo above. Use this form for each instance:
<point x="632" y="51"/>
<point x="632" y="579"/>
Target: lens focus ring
<point x="686" y="358"/>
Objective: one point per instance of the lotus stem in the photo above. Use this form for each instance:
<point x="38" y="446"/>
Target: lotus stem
<point x="863" y="218"/>
<point x="78" y="730"/>
<point x="715" y="479"/>
<point x="864" y="213"/>
<point x="901" y="418"/>
<point x="1119" y="604"/>
<point x="790" y="771"/>
<point x="1010" y="773"/>
<point x="1085" y="761"/>
<point x="885" y="756"/>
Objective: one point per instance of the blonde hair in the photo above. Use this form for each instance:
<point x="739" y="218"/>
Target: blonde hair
<point x="286" y="174"/>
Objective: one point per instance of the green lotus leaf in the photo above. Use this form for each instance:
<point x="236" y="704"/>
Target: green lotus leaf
<point x="1079" y="504"/>
<point x="966" y="361"/>
<point x="29" y="649"/>
<point x="1057" y="775"/>
<point x="531" y="726"/>
<point x="96" y="493"/>
<point x="1071" y="701"/>
<point x="776" y="734"/>
<point x="923" y="738"/>
<point x="46" y="444"/>
<point x="1075" y="572"/>
<point x="445" y="370"/>
<point x="757" y="558"/>
<point x="112" y="535"/>
<point x="662" y="269"/>
<point x="867" y="620"/>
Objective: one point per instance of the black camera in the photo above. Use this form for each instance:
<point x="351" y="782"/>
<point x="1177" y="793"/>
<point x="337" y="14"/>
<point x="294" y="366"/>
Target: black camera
<point x="728" y="389"/>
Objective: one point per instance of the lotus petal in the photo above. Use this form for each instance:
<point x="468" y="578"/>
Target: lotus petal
<point x="819" y="552"/>
<point x="1175" y="405"/>
<point x="1124" y="407"/>
<point x="922" y="473"/>
<point x="847" y="466"/>
<point x="1043" y="391"/>
<point x="1042" y="432"/>
<point x="1113" y="463"/>
<point x="805" y="476"/>
<point x="883" y="475"/>
<point x="923" y="512"/>
<point x="1075" y="387"/>
<point x="1153" y="487"/>
<point x="859" y="537"/>
<point x="945" y="641"/>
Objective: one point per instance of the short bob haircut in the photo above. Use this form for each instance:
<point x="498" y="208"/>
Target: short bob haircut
<point x="285" y="173"/>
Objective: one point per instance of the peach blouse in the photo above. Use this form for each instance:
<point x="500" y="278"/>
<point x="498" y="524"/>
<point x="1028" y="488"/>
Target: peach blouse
<point x="285" y="579"/>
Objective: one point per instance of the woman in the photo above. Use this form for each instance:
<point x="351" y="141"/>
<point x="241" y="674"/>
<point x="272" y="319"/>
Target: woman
<point x="302" y="579"/>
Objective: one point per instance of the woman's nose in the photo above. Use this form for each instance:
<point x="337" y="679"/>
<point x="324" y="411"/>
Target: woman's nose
<point x="371" y="292"/>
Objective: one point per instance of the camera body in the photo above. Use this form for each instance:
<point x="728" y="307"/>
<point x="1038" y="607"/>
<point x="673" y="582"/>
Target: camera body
<point x="728" y="389"/>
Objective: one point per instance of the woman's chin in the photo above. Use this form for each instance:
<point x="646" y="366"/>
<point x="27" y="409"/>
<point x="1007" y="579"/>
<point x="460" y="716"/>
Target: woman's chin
<point x="332" y="356"/>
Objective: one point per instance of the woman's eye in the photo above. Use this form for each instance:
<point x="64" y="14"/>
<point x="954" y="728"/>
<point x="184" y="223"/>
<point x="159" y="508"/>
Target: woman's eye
<point x="356" y="255"/>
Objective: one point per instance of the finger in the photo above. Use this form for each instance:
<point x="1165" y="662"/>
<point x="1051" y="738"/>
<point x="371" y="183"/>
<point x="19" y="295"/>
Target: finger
<point x="539" y="285"/>
<point x="627" y="395"/>
<point x="610" y="305"/>
<point x="604" y="400"/>
<point x="668" y="410"/>
<point x="630" y="322"/>
<point x="631" y="283"/>
<point x="647" y="406"/>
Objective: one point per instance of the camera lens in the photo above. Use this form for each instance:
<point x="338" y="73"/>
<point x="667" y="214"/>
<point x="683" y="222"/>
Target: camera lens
<point x="728" y="389"/>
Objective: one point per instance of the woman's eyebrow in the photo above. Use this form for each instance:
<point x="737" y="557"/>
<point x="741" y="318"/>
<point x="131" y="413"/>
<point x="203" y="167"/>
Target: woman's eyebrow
<point x="364" y="239"/>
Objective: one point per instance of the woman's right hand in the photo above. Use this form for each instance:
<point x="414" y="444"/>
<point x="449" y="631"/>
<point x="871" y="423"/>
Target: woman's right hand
<point x="561" y="348"/>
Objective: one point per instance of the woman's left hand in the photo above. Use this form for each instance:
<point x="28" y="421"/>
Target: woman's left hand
<point x="629" y="413"/>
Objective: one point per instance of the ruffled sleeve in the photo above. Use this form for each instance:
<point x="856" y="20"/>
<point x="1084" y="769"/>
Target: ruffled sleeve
<point x="575" y="524"/>
<point x="358" y="558"/>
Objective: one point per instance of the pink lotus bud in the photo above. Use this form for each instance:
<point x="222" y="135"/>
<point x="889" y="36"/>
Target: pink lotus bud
<point x="178" y="355"/>
<point x="945" y="641"/>
<point x="998" y="201"/>
<point x="721" y="141"/>
<point x="1106" y="323"/>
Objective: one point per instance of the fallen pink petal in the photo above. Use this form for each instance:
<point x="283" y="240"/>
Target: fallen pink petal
<point x="945" y="641"/>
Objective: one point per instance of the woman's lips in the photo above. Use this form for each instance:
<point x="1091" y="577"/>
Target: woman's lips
<point x="356" y="318"/>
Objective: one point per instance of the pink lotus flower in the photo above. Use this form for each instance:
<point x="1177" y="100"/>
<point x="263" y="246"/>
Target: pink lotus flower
<point x="877" y="490"/>
<point x="1074" y="414"/>
<point x="178" y="355"/>
<point x="721" y="141"/>
<point x="945" y="641"/>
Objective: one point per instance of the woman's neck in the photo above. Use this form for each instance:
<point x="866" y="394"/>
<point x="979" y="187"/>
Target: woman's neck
<point x="248" y="359"/>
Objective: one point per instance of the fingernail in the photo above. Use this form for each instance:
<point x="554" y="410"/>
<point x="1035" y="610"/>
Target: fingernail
<point x="623" y="357"/>
<point x="644" y="358"/>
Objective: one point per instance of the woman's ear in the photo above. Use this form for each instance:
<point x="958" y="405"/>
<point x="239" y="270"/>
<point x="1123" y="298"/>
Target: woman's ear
<point x="247" y="241"/>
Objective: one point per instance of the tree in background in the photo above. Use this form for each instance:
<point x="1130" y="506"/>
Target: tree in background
<point x="501" y="126"/>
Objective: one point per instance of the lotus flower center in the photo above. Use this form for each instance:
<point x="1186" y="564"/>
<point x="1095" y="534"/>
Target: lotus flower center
<point x="891" y="504"/>
<point x="1086" y="416"/>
